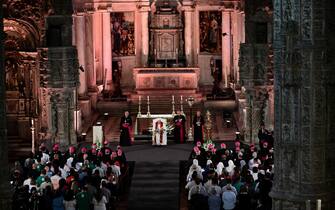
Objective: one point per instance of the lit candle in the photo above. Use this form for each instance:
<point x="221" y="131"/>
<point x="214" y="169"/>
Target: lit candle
<point x="318" y="206"/>
<point x="139" y="99"/>
<point x="172" y="97"/>
<point x="181" y="98"/>
<point x="308" y="205"/>
<point x="32" y="122"/>
<point x="148" y="98"/>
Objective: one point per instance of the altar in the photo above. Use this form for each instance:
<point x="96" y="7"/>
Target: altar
<point x="154" y="80"/>
<point x="145" y="120"/>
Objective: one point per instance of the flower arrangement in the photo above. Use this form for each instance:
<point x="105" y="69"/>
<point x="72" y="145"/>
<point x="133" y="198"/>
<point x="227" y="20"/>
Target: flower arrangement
<point x="209" y="146"/>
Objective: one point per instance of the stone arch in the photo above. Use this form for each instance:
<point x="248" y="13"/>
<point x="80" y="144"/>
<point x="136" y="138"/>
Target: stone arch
<point x="20" y="36"/>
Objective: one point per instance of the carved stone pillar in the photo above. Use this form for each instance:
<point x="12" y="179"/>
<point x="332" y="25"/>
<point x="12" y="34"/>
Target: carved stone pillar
<point x="89" y="50"/>
<point x="97" y="45"/>
<point x="226" y="45"/>
<point x="304" y="104"/>
<point x="145" y="35"/>
<point x="79" y="22"/>
<point x="188" y="36"/>
<point x="5" y="195"/>
<point x="62" y="103"/>
<point x="107" y="50"/>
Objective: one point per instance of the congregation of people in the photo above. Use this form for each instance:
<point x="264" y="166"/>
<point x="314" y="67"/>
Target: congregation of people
<point x="91" y="178"/>
<point x="237" y="178"/>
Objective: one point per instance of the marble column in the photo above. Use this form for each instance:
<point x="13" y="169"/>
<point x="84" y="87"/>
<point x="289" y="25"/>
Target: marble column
<point x="107" y="50"/>
<point x="188" y="36"/>
<point x="235" y="43"/>
<point x="80" y="33"/>
<point x="145" y="37"/>
<point x="226" y="45"/>
<point x="5" y="195"/>
<point x="304" y="105"/>
<point x="89" y="52"/>
<point x="97" y="45"/>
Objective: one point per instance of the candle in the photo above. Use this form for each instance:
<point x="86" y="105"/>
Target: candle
<point x="172" y="97"/>
<point x="308" y="205"/>
<point x="318" y="206"/>
<point x="139" y="99"/>
<point x="181" y="98"/>
<point x="32" y="122"/>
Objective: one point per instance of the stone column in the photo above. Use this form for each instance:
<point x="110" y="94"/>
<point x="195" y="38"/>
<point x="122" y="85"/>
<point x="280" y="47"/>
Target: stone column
<point x="226" y="45"/>
<point x="79" y="22"/>
<point x="240" y="39"/>
<point x="97" y="45"/>
<point x="107" y="50"/>
<point x="188" y="36"/>
<point x="304" y="105"/>
<point x="5" y="195"/>
<point x="89" y="52"/>
<point x="145" y="36"/>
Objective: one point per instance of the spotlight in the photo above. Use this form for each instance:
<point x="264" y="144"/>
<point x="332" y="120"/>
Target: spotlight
<point x="81" y="68"/>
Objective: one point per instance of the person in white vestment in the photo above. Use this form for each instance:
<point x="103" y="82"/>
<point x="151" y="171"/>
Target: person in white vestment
<point x="159" y="134"/>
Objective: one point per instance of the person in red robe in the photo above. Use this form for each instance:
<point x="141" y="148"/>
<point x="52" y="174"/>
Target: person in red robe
<point x="179" y="128"/>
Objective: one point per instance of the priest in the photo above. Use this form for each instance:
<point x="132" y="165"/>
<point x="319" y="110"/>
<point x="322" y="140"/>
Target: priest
<point x="159" y="136"/>
<point x="179" y="127"/>
<point x="125" y="130"/>
<point x="198" y="126"/>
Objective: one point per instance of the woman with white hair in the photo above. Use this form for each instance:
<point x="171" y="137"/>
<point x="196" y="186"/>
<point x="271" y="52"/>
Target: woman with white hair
<point x="194" y="167"/>
<point x="219" y="168"/>
<point x="230" y="168"/>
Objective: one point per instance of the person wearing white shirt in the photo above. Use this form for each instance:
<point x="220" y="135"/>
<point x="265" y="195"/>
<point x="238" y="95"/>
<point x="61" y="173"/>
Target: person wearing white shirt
<point x="229" y="198"/>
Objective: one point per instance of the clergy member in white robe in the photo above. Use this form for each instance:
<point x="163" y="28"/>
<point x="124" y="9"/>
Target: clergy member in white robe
<point x="159" y="135"/>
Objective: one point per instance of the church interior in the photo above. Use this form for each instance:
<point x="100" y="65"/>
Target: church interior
<point x="167" y="104"/>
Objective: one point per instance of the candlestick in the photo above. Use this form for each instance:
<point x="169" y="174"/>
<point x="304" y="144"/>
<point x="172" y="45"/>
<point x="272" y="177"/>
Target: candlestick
<point x="139" y="107"/>
<point x="148" y="106"/>
<point x="181" y="105"/>
<point x="173" y="110"/>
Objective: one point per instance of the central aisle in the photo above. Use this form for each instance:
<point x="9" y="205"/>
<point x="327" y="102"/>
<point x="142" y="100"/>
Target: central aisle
<point x="155" y="185"/>
<point x="147" y="152"/>
<point x="155" y="181"/>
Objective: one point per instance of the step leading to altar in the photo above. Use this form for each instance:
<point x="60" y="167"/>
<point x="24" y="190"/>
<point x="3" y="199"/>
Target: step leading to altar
<point x="179" y="80"/>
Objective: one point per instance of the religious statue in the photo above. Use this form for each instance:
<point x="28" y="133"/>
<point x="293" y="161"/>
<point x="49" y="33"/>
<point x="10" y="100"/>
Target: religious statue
<point x="116" y="77"/>
<point x="208" y="126"/>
